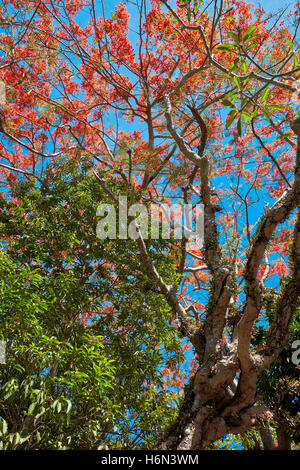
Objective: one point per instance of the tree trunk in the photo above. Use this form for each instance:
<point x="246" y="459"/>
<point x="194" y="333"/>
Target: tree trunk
<point x="284" y="441"/>
<point x="267" y="438"/>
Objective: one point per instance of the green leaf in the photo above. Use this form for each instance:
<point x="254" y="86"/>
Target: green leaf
<point x="69" y="406"/>
<point x="233" y="65"/>
<point x="251" y="46"/>
<point x="245" y="83"/>
<point x="246" y="116"/>
<point x="31" y="409"/>
<point x="3" y="426"/>
<point x="233" y="96"/>
<point x="16" y="438"/>
<point x="254" y="114"/>
<point x="248" y="33"/>
<point x="234" y="36"/>
<point x="226" y="47"/>
<point x="244" y="65"/>
<point x="231" y="118"/>
<point x="265" y="95"/>
<point x="188" y="13"/>
<point x="296" y="61"/>
<point x="41" y="411"/>
<point x="24" y="436"/>
<point x="252" y="38"/>
<point x="275" y="106"/>
<point x="244" y="101"/>
<point x="237" y="81"/>
<point x="239" y="127"/>
<point x="283" y="136"/>
<point x="266" y="114"/>
<point x="227" y="103"/>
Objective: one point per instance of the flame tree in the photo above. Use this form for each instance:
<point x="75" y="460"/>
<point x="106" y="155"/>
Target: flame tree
<point x="194" y="100"/>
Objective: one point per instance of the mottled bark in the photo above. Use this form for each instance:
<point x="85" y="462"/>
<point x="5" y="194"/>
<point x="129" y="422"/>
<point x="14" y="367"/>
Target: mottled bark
<point x="267" y="438"/>
<point x="283" y="438"/>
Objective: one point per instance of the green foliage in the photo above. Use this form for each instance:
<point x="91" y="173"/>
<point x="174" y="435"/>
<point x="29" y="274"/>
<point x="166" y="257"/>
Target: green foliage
<point x="279" y="387"/>
<point x="86" y="334"/>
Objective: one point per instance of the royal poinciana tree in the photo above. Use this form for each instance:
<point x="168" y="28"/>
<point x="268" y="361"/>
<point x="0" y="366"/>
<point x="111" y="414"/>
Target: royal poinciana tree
<point x="189" y="100"/>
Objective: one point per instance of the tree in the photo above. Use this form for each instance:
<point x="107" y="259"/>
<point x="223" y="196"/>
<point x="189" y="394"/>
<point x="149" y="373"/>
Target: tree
<point x="82" y="370"/>
<point x="197" y="101"/>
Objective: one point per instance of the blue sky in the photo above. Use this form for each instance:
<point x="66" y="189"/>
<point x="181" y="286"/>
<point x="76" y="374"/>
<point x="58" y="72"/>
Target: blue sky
<point x="272" y="5"/>
<point x="267" y="5"/>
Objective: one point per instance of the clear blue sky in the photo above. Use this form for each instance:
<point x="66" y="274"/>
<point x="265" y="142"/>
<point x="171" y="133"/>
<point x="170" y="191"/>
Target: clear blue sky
<point x="267" y="5"/>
